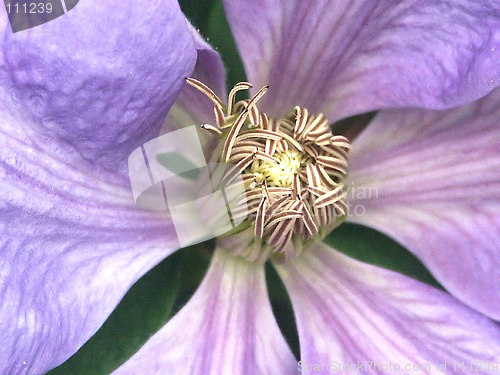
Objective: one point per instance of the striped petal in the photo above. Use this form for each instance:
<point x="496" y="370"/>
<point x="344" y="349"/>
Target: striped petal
<point x="342" y="57"/>
<point x="227" y="328"/>
<point x="78" y="94"/>
<point x="431" y="180"/>
<point x="359" y="317"/>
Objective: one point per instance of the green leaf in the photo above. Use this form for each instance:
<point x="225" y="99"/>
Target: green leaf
<point x="196" y="11"/>
<point x="282" y="309"/>
<point x="194" y="265"/>
<point x="370" y="246"/>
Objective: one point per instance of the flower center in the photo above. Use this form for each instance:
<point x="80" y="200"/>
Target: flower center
<point x="292" y="169"/>
<point x="282" y="173"/>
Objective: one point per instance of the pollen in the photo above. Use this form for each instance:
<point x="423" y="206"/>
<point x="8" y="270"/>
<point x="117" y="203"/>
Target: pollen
<point x="292" y="168"/>
<point x="279" y="174"/>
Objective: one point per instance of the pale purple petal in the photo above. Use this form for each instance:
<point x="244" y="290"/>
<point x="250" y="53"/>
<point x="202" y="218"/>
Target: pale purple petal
<point x="191" y="106"/>
<point x="102" y="77"/>
<point x="71" y="245"/>
<point x="431" y="180"/>
<point x="347" y="57"/>
<point x="78" y="93"/>
<point x="227" y="328"/>
<point x="348" y="311"/>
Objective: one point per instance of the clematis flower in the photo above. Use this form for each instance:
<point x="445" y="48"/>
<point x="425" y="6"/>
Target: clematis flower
<point x="75" y="104"/>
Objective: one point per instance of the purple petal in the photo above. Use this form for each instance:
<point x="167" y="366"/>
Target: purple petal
<point x="431" y="180"/>
<point x="102" y="77"/>
<point x="191" y="106"/>
<point x="78" y="94"/>
<point x="348" y="311"/>
<point x="71" y="245"/>
<point x="347" y="57"/>
<point x="226" y="328"/>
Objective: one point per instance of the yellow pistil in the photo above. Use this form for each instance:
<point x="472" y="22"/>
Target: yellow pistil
<point x="282" y="174"/>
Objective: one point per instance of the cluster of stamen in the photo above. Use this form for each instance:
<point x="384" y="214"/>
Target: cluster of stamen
<point x="292" y="169"/>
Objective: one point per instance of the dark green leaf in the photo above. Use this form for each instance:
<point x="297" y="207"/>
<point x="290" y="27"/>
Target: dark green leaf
<point x="282" y="309"/>
<point x="370" y="246"/>
<point x="194" y="264"/>
<point x="196" y="11"/>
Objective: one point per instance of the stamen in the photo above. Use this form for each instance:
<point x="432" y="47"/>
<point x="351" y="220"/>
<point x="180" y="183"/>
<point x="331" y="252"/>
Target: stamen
<point x="266" y="157"/>
<point x="340" y="141"/>
<point x="234" y="171"/>
<point x="292" y="141"/>
<point x="276" y="205"/>
<point x="342" y="207"/>
<point x="254" y="116"/>
<point x="296" y="187"/>
<point x="206" y="90"/>
<point x="317" y="191"/>
<point x="312" y="175"/>
<point x="281" y="146"/>
<point x="310" y="225"/>
<point x="239" y="153"/>
<point x="301" y="121"/>
<point x="231" y="138"/>
<point x="325" y="178"/>
<point x="332" y="163"/>
<point x="264" y="121"/>
<point x="272" y="143"/>
<point x="259" y="219"/>
<point x="323" y="139"/>
<point x="219" y="116"/>
<point x="319" y="122"/>
<point x="311" y="150"/>
<point x="211" y="129"/>
<point x="331" y="197"/>
<point x="257" y="96"/>
<point x="232" y="94"/>
<point x="285" y="215"/>
<point x="335" y="151"/>
<point x="267" y="134"/>
<point x="280" y="190"/>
